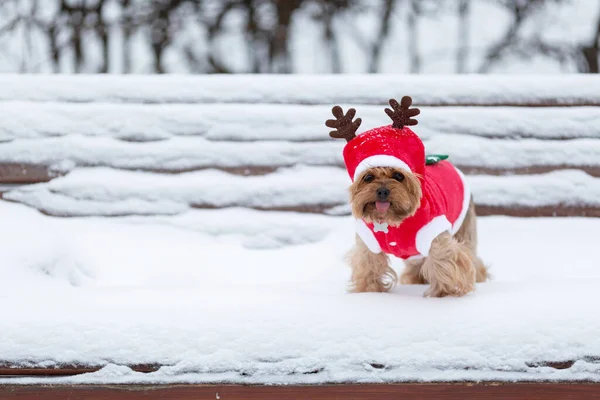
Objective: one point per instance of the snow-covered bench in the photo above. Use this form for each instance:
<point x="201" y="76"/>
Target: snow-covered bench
<point x="163" y="145"/>
<point x="223" y="261"/>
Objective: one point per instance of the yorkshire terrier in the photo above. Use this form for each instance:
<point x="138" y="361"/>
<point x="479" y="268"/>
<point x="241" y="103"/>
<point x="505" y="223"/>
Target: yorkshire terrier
<point x="407" y="205"/>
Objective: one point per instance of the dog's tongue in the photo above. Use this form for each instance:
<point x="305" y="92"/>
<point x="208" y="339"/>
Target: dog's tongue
<point x="382" y="206"/>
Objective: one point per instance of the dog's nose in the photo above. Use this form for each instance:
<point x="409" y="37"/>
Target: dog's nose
<point x="383" y="193"/>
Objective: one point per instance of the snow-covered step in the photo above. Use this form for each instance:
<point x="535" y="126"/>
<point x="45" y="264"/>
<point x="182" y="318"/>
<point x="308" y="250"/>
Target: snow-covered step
<point x="251" y="122"/>
<point x="307" y="89"/>
<point x="101" y="292"/>
<point x="105" y="191"/>
<point x="38" y="160"/>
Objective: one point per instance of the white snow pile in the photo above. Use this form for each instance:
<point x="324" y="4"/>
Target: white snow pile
<point x="176" y="146"/>
<point x="251" y="122"/>
<point x="109" y="192"/>
<point x="305" y="89"/>
<point x="257" y="297"/>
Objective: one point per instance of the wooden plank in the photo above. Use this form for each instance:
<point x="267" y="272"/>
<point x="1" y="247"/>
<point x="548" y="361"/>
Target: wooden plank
<point x="134" y="124"/>
<point x="29" y="174"/>
<point x="65" y="370"/>
<point x="545" y="211"/>
<point x="25" y="173"/>
<point x="460" y="391"/>
<point x="592" y="170"/>
<point x="482" y="210"/>
<point x="34" y="160"/>
<point x="567" y="193"/>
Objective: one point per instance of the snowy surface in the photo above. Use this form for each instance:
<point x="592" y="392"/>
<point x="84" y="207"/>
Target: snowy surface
<point x="110" y="192"/>
<point x="300" y="89"/>
<point x="239" y="295"/>
<point x="198" y="296"/>
<point x="188" y="153"/>
<point x="250" y="122"/>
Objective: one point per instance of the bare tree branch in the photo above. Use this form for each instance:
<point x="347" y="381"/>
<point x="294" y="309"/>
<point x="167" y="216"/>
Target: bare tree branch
<point x="384" y="31"/>
<point x="462" y="52"/>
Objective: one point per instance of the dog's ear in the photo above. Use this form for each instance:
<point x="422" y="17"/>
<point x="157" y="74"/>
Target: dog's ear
<point x="401" y="114"/>
<point x="345" y="127"/>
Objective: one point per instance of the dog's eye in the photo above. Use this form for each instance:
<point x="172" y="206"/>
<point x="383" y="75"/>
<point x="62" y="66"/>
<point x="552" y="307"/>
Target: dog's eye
<point x="368" y="178"/>
<point x="398" y="176"/>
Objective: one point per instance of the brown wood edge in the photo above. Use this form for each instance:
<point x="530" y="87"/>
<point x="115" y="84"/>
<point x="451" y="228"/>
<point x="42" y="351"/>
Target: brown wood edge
<point x="545" y="211"/>
<point x="31" y="173"/>
<point x="66" y="370"/>
<point x="25" y="173"/>
<point x="252" y="170"/>
<point x="449" y="391"/>
<point x="11" y="369"/>
<point x="481" y="210"/>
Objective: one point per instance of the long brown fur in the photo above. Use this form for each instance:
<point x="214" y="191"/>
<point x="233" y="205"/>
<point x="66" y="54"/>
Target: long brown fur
<point x="404" y="197"/>
<point x="467" y="234"/>
<point x="452" y="266"/>
<point x="371" y="272"/>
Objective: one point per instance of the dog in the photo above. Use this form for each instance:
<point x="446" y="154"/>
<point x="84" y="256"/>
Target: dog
<point x="407" y="206"/>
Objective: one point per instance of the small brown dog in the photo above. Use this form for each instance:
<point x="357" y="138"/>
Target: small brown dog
<point x="416" y="208"/>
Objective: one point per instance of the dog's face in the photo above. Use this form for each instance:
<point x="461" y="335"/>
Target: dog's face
<point x="385" y="194"/>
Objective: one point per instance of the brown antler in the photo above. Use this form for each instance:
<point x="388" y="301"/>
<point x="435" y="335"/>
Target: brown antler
<point x="345" y="128"/>
<point x="402" y="114"/>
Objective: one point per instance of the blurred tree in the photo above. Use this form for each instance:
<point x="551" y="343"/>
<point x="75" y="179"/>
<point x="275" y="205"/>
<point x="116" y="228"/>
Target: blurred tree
<point x="324" y="15"/>
<point x="387" y="8"/>
<point x="520" y="11"/>
<point x="81" y="16"/>
<point x="196" y="35"/>
<point x="462" y="52"/>
<point x="591" y="51"/>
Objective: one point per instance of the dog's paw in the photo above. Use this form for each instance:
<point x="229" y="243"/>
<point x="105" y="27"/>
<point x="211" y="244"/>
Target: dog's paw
<point x="455" y="291"/>
<point x="370" y="286"/>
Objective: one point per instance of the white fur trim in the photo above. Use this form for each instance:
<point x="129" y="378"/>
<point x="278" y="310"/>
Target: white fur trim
<point x="368" y="238"/>
<point x="379" y="161"/>
<point x="465" y="205"/>
<point x="429" y="232"/>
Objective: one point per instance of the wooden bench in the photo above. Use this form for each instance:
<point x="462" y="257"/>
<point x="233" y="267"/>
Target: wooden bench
<point x="163" y="145"/>
<point x="171" y="138"/>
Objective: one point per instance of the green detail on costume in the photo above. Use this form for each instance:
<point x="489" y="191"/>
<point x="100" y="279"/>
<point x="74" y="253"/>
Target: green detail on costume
<point x="434" y="158"/>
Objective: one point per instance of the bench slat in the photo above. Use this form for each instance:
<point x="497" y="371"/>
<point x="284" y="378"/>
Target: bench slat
<point x="38" y="160"/>
<point x="488" y="90"/>
<point x="251" y="122"/>
<point x="103" y="191"/>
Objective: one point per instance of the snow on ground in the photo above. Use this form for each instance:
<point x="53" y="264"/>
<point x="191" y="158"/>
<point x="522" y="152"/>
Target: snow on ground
<point x="110" y="192"/>
<point x="195" y="292"/>
<point x="300" y="89"/>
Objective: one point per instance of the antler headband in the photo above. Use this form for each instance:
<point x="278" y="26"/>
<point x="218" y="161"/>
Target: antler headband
<point x="401" y="115"/>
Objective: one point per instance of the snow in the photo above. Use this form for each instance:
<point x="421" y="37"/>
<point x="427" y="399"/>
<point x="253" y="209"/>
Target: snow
<point x="188" y="153"/>
<point x="188" y="275"/>
<point x="110" y="192"/>
<point x="251" y="122"/>
<point x="188" y="293"/>
<point x="301" y="89"/>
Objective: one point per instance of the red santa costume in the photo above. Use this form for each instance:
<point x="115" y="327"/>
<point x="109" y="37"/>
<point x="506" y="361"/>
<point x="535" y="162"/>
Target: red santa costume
<point x="445" y="200"/>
